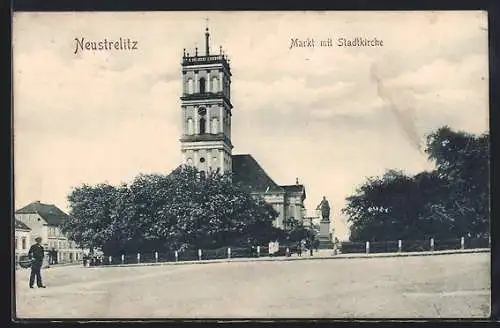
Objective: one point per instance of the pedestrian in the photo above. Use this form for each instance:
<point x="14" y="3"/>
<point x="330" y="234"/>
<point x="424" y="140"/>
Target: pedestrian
<point x="316" y="244"/>
<point x="36" y="255"/>
<point x="299" y="249"/>
<point x="53" y="256"/>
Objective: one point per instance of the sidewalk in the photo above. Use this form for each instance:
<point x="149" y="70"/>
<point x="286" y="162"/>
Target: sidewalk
<point x="320" y="255"/>
<point x="59" y="265"/>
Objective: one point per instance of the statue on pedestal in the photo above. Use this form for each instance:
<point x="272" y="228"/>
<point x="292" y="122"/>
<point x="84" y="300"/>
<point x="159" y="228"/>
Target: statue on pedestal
<point x="324" y="235"/>
<point x="324" y="207"/>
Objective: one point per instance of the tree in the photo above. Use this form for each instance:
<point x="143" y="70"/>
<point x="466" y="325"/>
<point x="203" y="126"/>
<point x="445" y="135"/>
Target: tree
<point x="448" y="202"/>
<point x="185" y="209"/>
<point x="376" y="210"/>
<point x="463" y="160"/>
<point x="90" y="223"/>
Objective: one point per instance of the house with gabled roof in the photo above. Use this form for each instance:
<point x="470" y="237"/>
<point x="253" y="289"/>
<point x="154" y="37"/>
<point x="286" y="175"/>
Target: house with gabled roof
<point x="45" y="221"/>
<point x="22" y="238"/>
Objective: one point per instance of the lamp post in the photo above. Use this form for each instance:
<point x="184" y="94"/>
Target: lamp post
<point x="311" y="236"/>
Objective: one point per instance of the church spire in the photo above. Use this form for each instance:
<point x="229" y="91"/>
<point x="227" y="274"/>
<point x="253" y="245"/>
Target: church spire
<point x="207" y="41"/>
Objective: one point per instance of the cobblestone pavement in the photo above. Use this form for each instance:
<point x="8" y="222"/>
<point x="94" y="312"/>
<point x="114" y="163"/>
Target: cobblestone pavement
<point x="439" y="286"/>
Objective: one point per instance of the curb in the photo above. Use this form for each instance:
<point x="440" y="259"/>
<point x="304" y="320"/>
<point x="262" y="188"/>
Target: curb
<point x="297" y="258"/>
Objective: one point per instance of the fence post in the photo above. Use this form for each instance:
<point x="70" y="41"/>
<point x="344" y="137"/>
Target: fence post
<point x="367" y="247"/>
<point x="400" y="246"/>
<point x="462" y="243"/>
<point x="229" y="252"/>
<point x="110" y="259"/>
<point x="138" y="257"/>
<point x="432" y="244"/>
<point x="258" y="251"/>
<point x="199" y="254"/>
<point x="176" y="256"/>
<point x="156" y="256"/>
<point x="123" y="259"/>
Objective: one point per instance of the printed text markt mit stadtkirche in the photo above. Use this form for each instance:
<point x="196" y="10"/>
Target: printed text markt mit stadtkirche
<point x="339" y="42"/>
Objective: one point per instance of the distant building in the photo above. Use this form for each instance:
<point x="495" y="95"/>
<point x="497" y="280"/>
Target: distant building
<point x="45" y="220"/>
<point x="287" y="200"/>
<point x="206" y="111"/>
<point x="22" y="239"/>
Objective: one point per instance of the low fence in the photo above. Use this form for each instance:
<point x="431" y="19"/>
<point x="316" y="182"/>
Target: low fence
<point x="284" y="250"/>
<point x="414" y="245"/>
<point x="192" y="255"/>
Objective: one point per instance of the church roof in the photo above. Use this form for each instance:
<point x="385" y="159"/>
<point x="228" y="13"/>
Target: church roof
<point x="50" y="213"/>
<point x="248" y="174"/>
<point x="296" y="188"/>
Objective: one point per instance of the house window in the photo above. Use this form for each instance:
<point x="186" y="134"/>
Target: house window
<point x="23" y="243"/>
<point x="17" y="243"/>
<point x="190" y="86"/>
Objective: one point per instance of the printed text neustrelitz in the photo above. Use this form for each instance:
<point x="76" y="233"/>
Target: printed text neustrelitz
<point x="119" y="44"/>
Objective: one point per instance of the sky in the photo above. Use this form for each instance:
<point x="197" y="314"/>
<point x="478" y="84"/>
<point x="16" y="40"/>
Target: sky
<point x="329" y="116"/>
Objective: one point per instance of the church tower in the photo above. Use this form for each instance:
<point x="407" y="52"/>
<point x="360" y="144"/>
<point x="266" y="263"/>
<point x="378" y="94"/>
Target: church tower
<point x="206" y="110"/>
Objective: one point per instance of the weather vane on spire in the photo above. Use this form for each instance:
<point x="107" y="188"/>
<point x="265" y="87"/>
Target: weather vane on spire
<point x="207" y="36"/>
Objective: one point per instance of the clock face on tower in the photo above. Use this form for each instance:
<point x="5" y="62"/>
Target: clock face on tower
<point x="202" y="111"/>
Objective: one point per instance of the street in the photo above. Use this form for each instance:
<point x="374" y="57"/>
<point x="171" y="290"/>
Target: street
<point x="438" y="286"/>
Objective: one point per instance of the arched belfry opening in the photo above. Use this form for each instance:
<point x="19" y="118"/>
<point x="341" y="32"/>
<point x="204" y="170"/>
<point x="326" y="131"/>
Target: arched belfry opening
<point x="202" y="85"/>
<point x="203" y="123"/>
<point x="202" y="112"/>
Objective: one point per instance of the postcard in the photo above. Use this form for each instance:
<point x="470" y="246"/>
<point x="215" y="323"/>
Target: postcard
<point x="312" y="164"/>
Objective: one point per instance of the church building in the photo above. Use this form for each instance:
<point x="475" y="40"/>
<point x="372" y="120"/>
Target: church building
<point x="206" y="134"/>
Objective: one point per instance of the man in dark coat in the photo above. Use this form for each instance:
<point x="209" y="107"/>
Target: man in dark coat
<point x="36" y="254"/>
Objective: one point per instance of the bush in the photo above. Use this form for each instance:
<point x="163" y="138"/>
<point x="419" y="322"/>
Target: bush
<point x="347" y="247"/>
<point x="384" y="247"/>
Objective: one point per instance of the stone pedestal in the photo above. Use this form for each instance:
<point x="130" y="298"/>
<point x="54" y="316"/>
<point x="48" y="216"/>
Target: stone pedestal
<point x="325" y="240"/>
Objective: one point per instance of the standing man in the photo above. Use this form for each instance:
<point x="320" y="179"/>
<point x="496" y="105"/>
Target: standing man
<point x="36" y="254"/>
